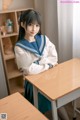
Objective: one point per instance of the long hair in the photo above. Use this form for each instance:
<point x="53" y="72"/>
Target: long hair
<point x="27" y="17"/>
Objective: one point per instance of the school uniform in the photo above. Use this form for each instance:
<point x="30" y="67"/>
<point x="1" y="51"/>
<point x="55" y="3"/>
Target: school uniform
<point x="34" y="58"/>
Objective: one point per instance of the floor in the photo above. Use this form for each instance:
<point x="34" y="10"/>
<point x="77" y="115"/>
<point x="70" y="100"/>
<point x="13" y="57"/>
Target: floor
<point x="69" y="109"/>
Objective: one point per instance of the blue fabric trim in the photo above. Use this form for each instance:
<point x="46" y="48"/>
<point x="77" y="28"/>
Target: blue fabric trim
<point x="34" y="44"/>
<point x="43" y="44"/>
<point x="40" y="41"/>
<point x="27" y="48"/>
<point x="37" y="62"/>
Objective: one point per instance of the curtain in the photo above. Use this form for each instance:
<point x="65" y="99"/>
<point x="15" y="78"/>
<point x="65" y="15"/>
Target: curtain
<point x="76" y="30"/>
<point x="65" y="30"/>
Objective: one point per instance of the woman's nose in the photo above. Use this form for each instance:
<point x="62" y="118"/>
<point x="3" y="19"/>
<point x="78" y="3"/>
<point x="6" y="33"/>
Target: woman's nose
<point x="34" y="27"/>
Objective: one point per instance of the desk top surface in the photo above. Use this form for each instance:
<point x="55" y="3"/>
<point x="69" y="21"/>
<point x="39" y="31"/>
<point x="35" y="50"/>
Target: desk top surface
<point x="58" y="81"/>
<point x="18" y="108"/>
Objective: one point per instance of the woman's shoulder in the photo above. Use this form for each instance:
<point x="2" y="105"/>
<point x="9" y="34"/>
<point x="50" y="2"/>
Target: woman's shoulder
<point x="48" y="41"/>
<point x="18" y="49"/>
<point x="46" y="38"/>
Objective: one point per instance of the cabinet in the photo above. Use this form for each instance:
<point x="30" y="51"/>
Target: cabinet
<point x="14" y="78"/>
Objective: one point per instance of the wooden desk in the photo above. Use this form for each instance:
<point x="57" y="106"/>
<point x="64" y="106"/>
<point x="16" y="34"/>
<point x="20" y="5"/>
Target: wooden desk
<point x="18" y="108"/>
<point x="60" y="84"/>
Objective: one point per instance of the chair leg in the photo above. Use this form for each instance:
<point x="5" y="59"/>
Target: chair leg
<point x="74" y="108"/>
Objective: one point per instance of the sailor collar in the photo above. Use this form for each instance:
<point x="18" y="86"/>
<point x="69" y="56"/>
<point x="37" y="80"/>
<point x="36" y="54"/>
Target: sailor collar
<point x="40" y="41"/>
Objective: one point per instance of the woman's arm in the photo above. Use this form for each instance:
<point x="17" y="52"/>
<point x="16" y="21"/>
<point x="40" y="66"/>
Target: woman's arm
<point x="50" y="54"/>
<point x="25" y="63"/>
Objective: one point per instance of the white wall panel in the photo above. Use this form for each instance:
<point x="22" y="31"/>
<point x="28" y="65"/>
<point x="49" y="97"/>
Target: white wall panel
<point x="76" y="30"/>
<point x="65" y="31"/>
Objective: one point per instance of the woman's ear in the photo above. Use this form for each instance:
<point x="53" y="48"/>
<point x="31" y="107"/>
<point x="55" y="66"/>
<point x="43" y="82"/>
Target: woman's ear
<point x="22" y="25"/>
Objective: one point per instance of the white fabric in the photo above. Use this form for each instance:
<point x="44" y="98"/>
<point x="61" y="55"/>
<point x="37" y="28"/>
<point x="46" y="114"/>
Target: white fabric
<point x="25" y="59"/>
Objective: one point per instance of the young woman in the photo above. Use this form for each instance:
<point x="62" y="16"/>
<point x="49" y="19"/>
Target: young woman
<point x="34" y="54"/>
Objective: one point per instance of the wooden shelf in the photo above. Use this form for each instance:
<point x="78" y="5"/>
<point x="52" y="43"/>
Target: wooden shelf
<point x="14" y="78"/>
<point x="8" y="57"/>
<point x="14" y="74"/>
<point x="9" y="35"/>
<point x="17" y="85"/>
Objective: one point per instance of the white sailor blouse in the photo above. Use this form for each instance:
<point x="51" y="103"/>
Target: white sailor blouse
<point x="35" y="57"/>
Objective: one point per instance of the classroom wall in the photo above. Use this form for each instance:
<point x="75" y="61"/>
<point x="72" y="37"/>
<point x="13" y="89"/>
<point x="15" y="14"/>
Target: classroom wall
<point x="76" y="30"/>
<point x="0" y="5"/>
<point x="21" y="4"/>
<point x="51" y="20"/>
<point x="16" y="4"/>
<point x="65" y="31"/>
<point x="39" y="6"/>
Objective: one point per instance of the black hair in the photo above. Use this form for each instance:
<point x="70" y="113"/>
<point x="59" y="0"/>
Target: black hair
<point x="27" y="17"/>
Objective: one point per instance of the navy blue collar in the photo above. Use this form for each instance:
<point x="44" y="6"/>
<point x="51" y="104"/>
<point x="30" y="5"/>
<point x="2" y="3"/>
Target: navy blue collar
<point x="40" y="41"/>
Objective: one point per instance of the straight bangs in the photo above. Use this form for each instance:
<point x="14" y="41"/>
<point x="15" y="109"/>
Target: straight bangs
<point x="34" y="18"/>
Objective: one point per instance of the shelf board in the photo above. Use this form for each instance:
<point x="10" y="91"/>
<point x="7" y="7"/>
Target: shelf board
<point x="19" y="89"/>
<point x="9" y="35"/>
<point x="8" y="57"/>
<point x="14" y="73"/>
<point x="12" y="11"/>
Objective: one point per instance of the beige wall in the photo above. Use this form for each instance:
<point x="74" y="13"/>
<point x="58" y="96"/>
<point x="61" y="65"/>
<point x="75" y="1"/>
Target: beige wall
<point x="51" y="20"/>
<point x="0" y="5"/>
<point x="76" y="30"/>
<point x="21" y="4"/>
<point x="39" y="6"/>
<point x="65" y="30"/>
<point x="18" y="4"/>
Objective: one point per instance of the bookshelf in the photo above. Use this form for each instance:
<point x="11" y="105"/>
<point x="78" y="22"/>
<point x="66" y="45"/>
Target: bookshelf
<point x="14" y="78"/>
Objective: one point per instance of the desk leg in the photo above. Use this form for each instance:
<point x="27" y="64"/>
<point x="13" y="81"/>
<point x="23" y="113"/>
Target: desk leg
<point x="74" y="107"/>
<point x="35" y="95"/>
<point x="54" y="110"/>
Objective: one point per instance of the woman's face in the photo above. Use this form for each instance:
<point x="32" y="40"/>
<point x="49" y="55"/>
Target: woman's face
<point x="32" y="29"/>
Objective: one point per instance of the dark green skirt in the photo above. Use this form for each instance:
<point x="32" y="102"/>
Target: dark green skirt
<point x="44" y="104"/>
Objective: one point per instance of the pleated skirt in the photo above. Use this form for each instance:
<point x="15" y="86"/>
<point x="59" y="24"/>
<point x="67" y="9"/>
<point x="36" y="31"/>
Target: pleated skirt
<point x="44" y="104"/>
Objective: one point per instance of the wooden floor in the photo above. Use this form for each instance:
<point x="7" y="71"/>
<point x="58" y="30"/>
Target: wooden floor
<point x="69" y="109"/>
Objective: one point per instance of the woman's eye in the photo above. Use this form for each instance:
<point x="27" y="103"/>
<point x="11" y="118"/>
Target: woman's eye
<point x="37" y="25"/>
<point x="30" y="24"/>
